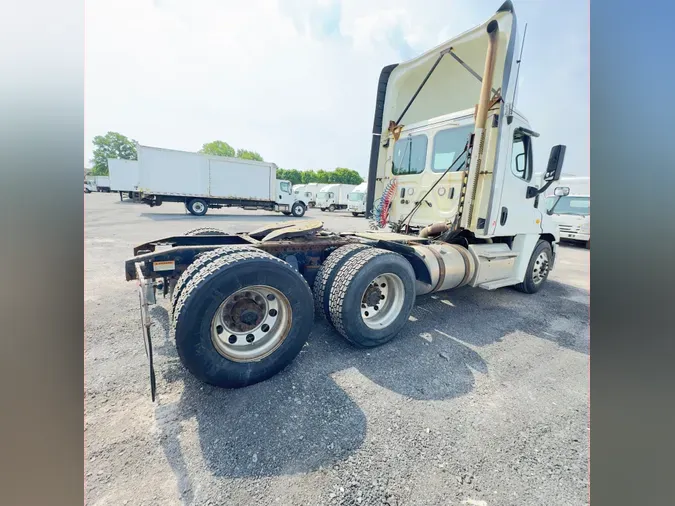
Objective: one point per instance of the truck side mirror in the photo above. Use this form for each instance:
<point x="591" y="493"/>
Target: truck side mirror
<point x="555" y="163"/>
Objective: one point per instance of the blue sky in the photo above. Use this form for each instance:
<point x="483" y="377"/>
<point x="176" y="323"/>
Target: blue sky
<point x="296" y="79"/>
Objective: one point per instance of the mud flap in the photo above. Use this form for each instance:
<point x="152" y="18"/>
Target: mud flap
<point x="144" y="289"/>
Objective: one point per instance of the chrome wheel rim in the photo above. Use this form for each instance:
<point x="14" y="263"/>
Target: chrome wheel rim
<point x="540" y="268"/>
<point x="251" y="323"/>
<point x="197" y="207"/>
<point x="382" y="301"/>
<point x="298" y="209"/>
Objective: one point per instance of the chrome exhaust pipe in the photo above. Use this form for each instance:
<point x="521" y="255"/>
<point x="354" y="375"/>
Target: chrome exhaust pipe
<point x="481" y="118"/>
<point x="488" y="73"/>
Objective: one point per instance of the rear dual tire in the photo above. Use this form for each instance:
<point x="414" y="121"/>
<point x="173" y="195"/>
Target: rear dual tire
<point x="366" y="293"/>
<point x="225" y="290"/>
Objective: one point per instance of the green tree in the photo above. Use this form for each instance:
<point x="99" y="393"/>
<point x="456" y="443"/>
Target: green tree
<point x="111" y="145"/>
<point x="292" y="175"/>
<point x="249" y="155"/>
<point x="347" y="176"/>
<point x="308" y="176"/>
<point x="217" y="148"/>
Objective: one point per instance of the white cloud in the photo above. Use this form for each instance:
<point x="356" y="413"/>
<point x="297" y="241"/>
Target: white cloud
<point x="294" y="80"/>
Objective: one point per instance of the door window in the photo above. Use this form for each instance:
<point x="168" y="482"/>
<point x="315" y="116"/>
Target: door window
<point x="286" y="187"/>
<point x="521" y="156"/>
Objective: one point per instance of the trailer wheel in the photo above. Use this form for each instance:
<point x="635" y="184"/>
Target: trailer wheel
<point x="243" y="318"/>
<point x="298" y="210"/>
<point x="205" y="231"/>
<point x="331" y="208"/>
<point x="200" y="261"/>
<point x="197" y="207"/>
<point x="326" y="275"/>
<point x="372" y="296"/>
<point x="538" y="268"/>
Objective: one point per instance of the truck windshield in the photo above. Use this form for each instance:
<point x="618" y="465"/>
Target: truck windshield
<point x="355" y="197"/>
<point x="580" y="206"/>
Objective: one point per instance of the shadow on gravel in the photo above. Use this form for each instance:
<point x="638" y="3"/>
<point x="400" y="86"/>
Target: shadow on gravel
<point x="301" y="419"/>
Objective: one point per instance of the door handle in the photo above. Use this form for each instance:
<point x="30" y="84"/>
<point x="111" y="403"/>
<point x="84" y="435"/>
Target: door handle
<point x="504" y="216"/>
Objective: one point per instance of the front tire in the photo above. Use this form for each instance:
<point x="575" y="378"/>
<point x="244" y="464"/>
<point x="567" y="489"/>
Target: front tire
<point x="371" y="297"/>
<point x="355" y="214"/>
<point x="298" y="210"/>
<point x="243" y="319"/>
<point x="331" y="208"/>
<point x="538" y="269"/>
<point x="197" y="207"/>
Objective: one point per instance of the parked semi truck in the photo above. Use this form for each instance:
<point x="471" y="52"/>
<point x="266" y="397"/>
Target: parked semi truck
<point x="569" y="204"/>
<point x="356" y="200"/>
<point x="202" y="182"/>
<point x="467" y="214"/>
<point x="124" y="177"/>
<point x="332" y="197"/>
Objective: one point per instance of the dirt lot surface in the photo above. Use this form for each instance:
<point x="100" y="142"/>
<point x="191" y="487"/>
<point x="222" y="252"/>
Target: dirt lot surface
<point x="481" y="400"/>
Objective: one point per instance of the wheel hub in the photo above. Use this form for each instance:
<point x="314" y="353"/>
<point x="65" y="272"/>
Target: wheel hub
<point x="541" y="267"/>
<point x="251" y="323"/>
<point x="373" y="295"/>
<point x="382" y="301"/>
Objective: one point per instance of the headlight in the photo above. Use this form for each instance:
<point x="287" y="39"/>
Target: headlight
<point x="586" y="227"/>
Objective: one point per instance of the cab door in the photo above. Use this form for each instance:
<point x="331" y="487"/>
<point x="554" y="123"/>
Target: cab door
<point x="516" y="214"/>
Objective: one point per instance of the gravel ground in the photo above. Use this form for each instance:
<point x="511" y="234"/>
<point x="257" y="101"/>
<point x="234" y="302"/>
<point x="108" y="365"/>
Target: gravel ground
<point x="482" y="399"/>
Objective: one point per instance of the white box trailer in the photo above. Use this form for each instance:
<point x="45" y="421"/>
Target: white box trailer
<point x="124" y="176"/>
<point x="333" y="196"/>
<point x="102" y="183"/>
<point x="356" y="200"/>
<point x="203" y="181"/>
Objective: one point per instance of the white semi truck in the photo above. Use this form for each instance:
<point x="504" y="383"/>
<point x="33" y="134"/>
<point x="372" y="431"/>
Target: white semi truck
<point x="124" y="176"/>
<point x="332" y="197"/>
<point x="202" y="182"/>
<point x="356" y="200"/>
<point x="453" y="204"/>
<point x="569" y="204"/>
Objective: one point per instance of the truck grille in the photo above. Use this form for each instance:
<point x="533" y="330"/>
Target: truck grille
<point x="570" y="229"/>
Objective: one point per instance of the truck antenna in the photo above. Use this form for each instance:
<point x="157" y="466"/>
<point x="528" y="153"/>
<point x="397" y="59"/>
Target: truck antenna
<point x="520" y="59"/>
